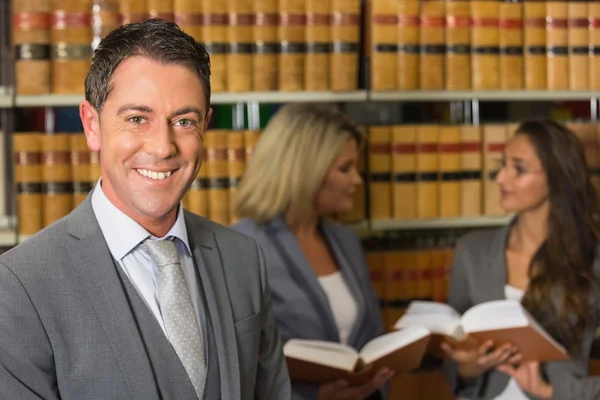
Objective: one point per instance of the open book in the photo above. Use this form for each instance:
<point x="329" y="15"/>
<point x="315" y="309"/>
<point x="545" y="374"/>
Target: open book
<point x="322" y="362"/>
<point x="502" y="321"/>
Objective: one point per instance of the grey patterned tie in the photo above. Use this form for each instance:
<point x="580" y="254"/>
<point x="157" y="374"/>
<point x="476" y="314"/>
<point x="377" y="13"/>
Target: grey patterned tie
<point x="178" y="312"/>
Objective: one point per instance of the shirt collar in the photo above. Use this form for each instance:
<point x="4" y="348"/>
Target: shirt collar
<point x="122" y="233"/>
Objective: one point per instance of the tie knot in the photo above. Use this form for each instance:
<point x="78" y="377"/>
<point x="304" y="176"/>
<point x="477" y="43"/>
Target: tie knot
<point x="163" y="252"/>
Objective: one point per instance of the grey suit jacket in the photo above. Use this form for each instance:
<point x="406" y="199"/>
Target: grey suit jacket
<point x="300" y="305"/>
<point x="479" y="275"/>
<point x="67" y="331"/>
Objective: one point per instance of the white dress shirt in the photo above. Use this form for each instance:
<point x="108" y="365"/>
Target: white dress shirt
<point x="123" y="236"/>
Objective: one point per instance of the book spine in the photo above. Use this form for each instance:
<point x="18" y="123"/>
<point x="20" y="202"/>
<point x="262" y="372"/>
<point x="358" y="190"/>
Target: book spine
<point x="345" y="35"/>
<point x="450" y="175"/>
<point x="57" y="187"/>
<point x="215" y="25"/>
<point x="291" y="35"/>
<point x="433" y="47"/>
<point x="471" y="167"/>
<point x="404" y="167"/>
<point x="132" y="11"/>
<point x="511" y="46"/>
<point x="594" y="44"/>
<point x="239" y="58"/>
<point x="105" y="18"/>
<point x="71" y="51"/>
<point x="428" y="168"/>
<point x="579" y="37"/>
<point x="188" y="15"/>
<point x="486" y="45"/>
<point x="494" y="138"/>
<point x="318" y="45"/>
<point x="31" y="46"/>
<point x="80" y="168"/>
<point x="380" y="165"/>
<point x="536" y="71"/>
<point x="235" y="166"/>
<point x="557" y="45"/>
<point x="458" y="45"/>
<point x="265" y="58"/>
<point x="384" y="46"/>
<point x="218" y="179"/>
<point x="408" y="44"/>
<point x="28" y="181"/>
<point x="162" y="9"/>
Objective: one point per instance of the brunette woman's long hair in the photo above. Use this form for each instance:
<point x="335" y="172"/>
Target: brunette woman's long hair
<point x="563" y="284"/>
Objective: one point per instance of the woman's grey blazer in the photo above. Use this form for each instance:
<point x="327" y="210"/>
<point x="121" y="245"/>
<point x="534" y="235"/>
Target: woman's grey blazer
<point x="478" y="275"/>
<point x="299" y="303"/>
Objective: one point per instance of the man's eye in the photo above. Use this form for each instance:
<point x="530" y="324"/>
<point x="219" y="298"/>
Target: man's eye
<point x="136" y="120"/>
<point x="185" y="123"/>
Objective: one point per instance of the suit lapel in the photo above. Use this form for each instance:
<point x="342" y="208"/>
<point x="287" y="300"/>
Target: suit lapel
<point x="212" y="277"/>
<point x="301" y="271"/>
<point x="93" y="261"/>
<point x="494" y="278"/>
<point x="348" y="272"/>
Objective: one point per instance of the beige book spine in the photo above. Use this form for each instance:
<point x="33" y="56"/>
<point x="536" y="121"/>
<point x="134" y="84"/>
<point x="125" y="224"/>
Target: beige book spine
<point x="384" y="47"/>
<point x="433" y="40"/>
<point x="345" y="35"/>
<point x="486" y="45"/>
<point x="408" y="44"/>
<point x="239" y="33"/>
<point x="579" y="38"/>
<point x="428" y="187"/>
<point x="458" y="44"/>
<point x="31" y="46"/>
<point x="318" y="45"/>
<point x="471" y="166"/>
<point x="511" y="41"/>
<point x="557" y="45"/>
<point x="404" y="167"/>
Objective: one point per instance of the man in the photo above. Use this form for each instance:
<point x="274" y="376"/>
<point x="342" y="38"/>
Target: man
<point x="129" y="296"/>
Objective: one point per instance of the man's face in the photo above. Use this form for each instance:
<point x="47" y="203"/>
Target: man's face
<point x="150" y="136"/>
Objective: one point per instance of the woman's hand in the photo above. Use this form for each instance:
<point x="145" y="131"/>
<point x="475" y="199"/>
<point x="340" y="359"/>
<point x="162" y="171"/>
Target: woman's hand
<point x="529" y="378"/>
<point x="341" y="391"/>
<point x="472" y="363"/>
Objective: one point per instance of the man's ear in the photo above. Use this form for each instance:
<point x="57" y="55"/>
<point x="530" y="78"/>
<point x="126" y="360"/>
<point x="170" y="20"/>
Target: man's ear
<point x="90" y="118"/>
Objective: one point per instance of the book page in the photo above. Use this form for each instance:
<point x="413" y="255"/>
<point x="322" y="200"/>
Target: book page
<point x="499" y="314"/>
<point x="436" y="317"/>
<point x="331" y="354"/>
<point x="390" y="342"/>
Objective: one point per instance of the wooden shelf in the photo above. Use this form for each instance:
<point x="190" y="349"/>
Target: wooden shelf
<point x="438" y="223"/>
<point x="499" y="95"/>
<point x="6" y="97"/>
<point x="56" y="100"/>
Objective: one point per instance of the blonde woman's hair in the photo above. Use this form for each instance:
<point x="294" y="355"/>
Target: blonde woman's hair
<point x="290" y="161"/>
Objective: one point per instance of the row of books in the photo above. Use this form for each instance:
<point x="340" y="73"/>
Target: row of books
<point x="446" y="171"/>
<point x="54" y="173"/>
<point x="266" y="45"/>
<point x="484" y="45"/>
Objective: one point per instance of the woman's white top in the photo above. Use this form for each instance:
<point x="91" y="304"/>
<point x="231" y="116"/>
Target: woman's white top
<point x="342" y="303"/>
<point x="512" y="391"/>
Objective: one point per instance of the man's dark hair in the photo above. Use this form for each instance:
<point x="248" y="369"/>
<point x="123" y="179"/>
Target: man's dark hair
<point x="156" y="39"/>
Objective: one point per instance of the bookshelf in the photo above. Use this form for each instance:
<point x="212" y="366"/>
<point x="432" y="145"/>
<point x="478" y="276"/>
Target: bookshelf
<point x="438" y="223"/>
<point x="496" y="95"/>
<point x="56" y="100"/>
<point x="6" y="97"/>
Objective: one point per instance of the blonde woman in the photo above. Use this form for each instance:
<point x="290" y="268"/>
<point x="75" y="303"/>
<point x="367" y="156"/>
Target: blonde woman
<point x="304" y="168"/>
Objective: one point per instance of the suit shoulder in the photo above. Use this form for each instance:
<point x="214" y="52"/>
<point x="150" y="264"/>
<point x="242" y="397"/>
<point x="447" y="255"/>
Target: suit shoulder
<point x="247" y="226"/>
<point x="36" y="249"/>
<point x="479" y="240"/>
<point x="222" y="233"/>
